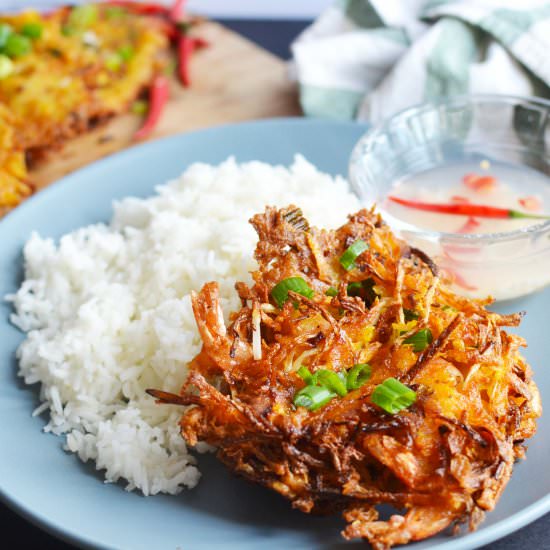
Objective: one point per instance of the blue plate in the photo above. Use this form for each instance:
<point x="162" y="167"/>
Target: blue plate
<point x="56" y="491"/>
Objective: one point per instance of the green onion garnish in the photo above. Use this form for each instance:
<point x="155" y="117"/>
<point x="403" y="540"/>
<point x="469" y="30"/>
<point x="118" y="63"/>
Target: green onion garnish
<point x="114" y="12"/>
<point x="32" y="30"/>
<point x="6" y="66"/>
<point x="347" y="259"/>
<point x="393" y="396"/>
<point x="358" y="375"/>
<point x="305" y="374"/>
<point x="5" y="31"/>
<point x="420" y="340"/>
<point x="294" y="284"/>
<point x="83" y="16"/>
<point x="410" y="315"/>
<point x="126" y="52"/>
<point x="170" y="67"/>
<point x="113" y="62"/>
<point x="313" y="397"/>
<point x="331" y="292"/>
<point x="80" y="18"/>
<point x="139" y="107"/>
<point x="332" y="381"/>
<point x="17" y="45"/>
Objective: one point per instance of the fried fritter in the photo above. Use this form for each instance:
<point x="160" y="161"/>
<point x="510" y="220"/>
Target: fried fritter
<point x="14" y="186"/>
<point x="80" y="71"/>
<point x="85" y="65"/>
<point x="444" y="460"/>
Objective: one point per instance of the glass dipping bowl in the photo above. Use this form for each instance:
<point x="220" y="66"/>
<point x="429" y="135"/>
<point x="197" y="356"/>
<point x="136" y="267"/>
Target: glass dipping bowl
<point x="476" y="128"/>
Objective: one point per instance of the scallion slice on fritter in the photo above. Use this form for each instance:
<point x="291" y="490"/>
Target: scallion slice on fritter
<point x="433" y="427"/>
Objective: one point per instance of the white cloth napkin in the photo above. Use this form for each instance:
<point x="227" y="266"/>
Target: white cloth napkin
<point x="369" y="59"/>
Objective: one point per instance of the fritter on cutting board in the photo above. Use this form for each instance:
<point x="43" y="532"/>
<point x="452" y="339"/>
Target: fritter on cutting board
<point x="14" y="186"/>
<point x="75" y="67"/>
<point x="352" y="376"/>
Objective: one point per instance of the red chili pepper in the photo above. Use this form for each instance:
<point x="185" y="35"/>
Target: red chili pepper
<point x="177" y="12"/>
<point x="479" y="183"/>
<point x="158" y="96"/>
<point x="201" y="42"/>
<point x="186" y="46"/>
<point x="530" y="203"/>
<point x="481" y="210"/>
<point x="470" y="226"/>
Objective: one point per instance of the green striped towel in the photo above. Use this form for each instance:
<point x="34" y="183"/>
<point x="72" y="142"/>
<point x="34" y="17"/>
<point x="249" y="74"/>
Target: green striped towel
<point x="369" y="59"/>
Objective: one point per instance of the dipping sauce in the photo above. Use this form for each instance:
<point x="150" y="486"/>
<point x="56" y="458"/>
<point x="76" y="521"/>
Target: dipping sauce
<point x="501" y="185"/>
<point x="479" y="266"/>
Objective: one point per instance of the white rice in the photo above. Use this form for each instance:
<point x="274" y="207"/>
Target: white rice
<point x="107" y="310"/>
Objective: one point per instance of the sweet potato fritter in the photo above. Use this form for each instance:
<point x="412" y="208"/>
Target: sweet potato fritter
<point x="14" y="185"/>
<point x="444" y="460"/>
<point x="78" y="72"/>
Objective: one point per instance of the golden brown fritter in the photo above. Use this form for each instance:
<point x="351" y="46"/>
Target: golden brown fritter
<point x="14" y="186"/>
<point x="443" y="460"/>
<point x="79" y="73"/>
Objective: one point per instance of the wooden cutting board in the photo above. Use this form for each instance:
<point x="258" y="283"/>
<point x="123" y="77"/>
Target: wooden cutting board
<point x="232" y="80"/>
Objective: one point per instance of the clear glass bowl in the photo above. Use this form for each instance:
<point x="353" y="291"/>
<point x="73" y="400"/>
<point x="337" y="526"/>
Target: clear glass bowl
<point x="515" y="130"/>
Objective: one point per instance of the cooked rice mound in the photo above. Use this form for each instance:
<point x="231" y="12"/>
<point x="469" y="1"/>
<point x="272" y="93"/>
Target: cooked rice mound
<point x="445" y="460"/>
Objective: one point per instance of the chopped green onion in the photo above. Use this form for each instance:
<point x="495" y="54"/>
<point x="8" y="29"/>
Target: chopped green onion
<point x="347" y="259"/>
<point x="294" y="284"/>
<point x="114" y="12"/>
<point x="305" y="374"/>
<point x="5" y="31"/>
<point x="393" y="396"/>
<point x="32" y="30"/>
<point x="358" y="375"/>
<point x="140" y="107"/>
<point x="332" y="381"/>
<point x="17" y="45"/>
<point x="313" y="397"/>
<point x="410" y="315"/>
<point x="80" y="18"/>
<point x="331" y="292"/>
<point x="6" y="66"/>
<point x="170" y="67"/>
<point x="113" y="62"/>
<point x="126" y="52"/>
<point x="83" y="16"/>
<point x="420" y="340"/>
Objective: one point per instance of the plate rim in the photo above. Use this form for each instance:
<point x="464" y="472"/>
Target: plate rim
<point x="475" y="539"/>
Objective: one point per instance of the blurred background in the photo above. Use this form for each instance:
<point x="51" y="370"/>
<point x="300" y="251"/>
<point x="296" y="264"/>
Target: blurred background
<point x="246" y="9"/>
